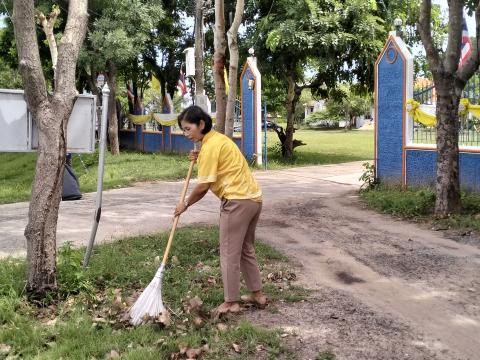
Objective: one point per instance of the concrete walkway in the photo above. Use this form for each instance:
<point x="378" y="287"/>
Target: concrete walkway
<point x="148" y="207"/>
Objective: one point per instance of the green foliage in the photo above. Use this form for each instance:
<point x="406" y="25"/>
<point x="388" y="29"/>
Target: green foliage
<point x="123" y="30"/>
<point x="368" y="176"/>
<point x="325" y="355"/>
<point x="83" y="326"/>
<point x="70" y="276"/>
<point x="408" y="203"/>
<point x="343" y="104"/>
<point x="9" y="77"/>
<point x="418" y="204"/>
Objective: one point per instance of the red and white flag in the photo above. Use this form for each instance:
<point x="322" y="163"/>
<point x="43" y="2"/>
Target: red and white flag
<point x="466" y="45"/>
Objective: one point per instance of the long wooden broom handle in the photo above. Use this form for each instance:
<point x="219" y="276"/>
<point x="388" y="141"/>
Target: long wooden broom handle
<point x="175" y="220"/>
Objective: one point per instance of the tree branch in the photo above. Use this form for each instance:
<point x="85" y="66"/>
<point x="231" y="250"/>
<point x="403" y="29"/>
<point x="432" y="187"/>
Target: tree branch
<point x="48" y="26"/>
<point x="28" y="56"/>
<point x="425" y="30"/>
<point x="454" y="45"/>
<point x="70" y="45"/>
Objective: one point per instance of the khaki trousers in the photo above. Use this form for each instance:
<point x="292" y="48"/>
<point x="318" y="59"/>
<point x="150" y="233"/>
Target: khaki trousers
<point x="238" y="220"/>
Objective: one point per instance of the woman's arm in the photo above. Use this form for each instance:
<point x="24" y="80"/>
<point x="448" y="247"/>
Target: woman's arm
<point x="197" y="194"/>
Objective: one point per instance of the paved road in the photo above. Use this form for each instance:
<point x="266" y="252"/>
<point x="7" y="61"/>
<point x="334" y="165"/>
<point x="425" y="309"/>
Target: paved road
<point x="148" y="207"/>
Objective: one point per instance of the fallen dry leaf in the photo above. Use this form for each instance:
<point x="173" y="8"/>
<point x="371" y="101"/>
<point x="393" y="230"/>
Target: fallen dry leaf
<point x="175" y="260"/>
<point x="5" y="349"/>
<point x="222" y="327"/>
<point x="164" y="319"/>
<point x="194" y="353"/>
<point x="51" y="322"/>
<point x="112" y="355"/>
<point x="195" y="304"/>
<point x="182" y="348"/>
<point x="236" y="347"/>
<point x="198" y="322"/>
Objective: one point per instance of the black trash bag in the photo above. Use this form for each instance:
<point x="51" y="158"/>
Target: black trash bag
<point x="71" y="186"/>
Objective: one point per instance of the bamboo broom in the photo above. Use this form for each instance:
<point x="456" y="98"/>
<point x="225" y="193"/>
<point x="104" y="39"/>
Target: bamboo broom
<point x="150" y="303"/>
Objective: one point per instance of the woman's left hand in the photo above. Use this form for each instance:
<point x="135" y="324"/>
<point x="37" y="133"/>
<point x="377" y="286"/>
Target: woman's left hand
<point x="180" y="208"/>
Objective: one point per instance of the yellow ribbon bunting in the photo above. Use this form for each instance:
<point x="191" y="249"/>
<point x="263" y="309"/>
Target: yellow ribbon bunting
<point x="139" y="119"/>
<point x="420" y="116"/>
<point x="465" y="107"/>
<point x="171" y="119"/>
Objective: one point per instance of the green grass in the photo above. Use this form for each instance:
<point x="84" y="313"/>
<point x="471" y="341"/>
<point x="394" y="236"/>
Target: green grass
<point x="323" y="147"/>
<point x="87" y="309"/>
<point x="17" y="170"/>
<point x="418" y="204"/>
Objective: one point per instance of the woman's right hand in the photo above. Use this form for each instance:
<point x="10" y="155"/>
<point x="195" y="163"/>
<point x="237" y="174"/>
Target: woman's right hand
<point x="193" y="156"/>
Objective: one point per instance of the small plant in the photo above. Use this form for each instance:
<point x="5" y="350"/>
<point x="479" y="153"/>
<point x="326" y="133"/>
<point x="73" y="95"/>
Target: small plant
<point x="325" y="355"/>
<point x="368" y="176"/>
<point x="71" y="277"/>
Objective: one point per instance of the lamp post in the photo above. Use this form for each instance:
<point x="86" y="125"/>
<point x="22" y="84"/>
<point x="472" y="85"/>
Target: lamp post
<point x="398" y="27"/>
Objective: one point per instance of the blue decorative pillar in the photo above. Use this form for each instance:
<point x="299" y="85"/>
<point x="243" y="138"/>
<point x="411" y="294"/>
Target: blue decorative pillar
<point x="251" y="109"/>
<point x="393" y="87"/>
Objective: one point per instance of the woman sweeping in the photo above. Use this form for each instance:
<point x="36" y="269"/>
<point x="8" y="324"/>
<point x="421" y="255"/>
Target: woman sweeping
<point x="223" y="170"/>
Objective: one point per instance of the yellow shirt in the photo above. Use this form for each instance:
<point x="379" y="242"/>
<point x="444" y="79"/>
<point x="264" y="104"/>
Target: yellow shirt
<point x="221" y="164"/>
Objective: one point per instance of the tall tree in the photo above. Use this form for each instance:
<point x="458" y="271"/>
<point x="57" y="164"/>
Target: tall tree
<point x="337" y="40"/>
<point x="219" y="62"/>
<point x="115" y="40"/>
<point x="232" y="36"/>
<point x="51" y="113"/>
<point x="449" y="80"/>
<point x="199" y="75"/>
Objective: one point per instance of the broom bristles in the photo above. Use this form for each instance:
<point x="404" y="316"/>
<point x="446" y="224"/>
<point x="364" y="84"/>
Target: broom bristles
<point x="149" y="304"/>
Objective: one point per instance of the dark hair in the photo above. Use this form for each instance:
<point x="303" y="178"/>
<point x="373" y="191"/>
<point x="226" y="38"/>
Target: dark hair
<point x="193" y="114"/>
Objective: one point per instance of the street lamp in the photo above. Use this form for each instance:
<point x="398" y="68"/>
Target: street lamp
<point x="398" y="27"/>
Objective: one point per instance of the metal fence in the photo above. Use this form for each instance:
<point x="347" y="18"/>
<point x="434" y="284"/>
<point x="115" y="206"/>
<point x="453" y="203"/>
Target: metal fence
<point x="468" y="126"/>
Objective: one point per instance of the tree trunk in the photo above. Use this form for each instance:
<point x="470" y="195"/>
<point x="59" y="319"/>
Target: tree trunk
<point x="449" y="82"/>
<point x="51" y="114"/>
<point x="232" y="35"/>
<point x="448" y="181"/>
<point x="199" y="78"/>
<point x="219" y="65"/>
<point x="293" y="95"/>
<point x="112" y="109"/>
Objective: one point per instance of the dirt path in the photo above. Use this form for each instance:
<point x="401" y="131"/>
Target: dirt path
<point x="382" y="288"/>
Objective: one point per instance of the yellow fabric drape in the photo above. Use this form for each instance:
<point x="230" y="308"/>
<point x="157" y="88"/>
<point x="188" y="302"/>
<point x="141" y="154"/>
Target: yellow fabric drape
<point x="420" y="116"/>
<point x="142" y="119"/>
<point x="171" y="122"/>
<point x="139" y="119"/>
<point x="465" y="107"/>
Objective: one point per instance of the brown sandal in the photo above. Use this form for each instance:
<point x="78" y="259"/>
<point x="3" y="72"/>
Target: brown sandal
<point x="259" y="301"/>
<point x="221" y="311"/>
